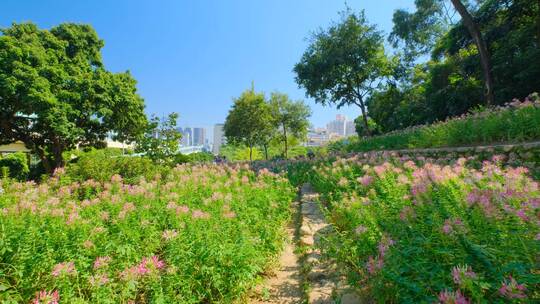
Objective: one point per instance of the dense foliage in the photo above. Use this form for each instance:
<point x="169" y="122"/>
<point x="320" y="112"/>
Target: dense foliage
<point x="55" y="92"/>
<point x="344" y="64"/>
<point x="14" y="165"/>
<point x="255" y="121"/>
<point x="414" y="231"/>
<point x="515" y="122"/>
<point x="451" y="82"/>
<point x="101" y="165"/>
<point x="200" y="234"/>
<point x="249" y="122"/>
<point x="160" y="140"/>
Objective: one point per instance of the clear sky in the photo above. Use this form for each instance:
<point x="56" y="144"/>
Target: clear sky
<point x="193" y="57"/>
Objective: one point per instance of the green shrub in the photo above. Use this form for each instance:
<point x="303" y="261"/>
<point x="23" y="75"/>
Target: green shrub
<point x="16" y="164"/>
<point x="101" y="165"/>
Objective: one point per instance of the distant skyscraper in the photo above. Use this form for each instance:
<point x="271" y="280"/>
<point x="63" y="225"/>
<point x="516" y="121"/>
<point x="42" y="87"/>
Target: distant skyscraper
<point x="337" y="126"/>
<point x="219" y="138"/>
<point x="350" y="128"/>
<point x="199" y="135"/>
<point x="188" y="134"/>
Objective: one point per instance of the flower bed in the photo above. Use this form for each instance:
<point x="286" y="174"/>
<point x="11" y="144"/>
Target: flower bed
<point x="421" y="232"/>
<point x="515" y="122"/>
<point x="202" y="234"/>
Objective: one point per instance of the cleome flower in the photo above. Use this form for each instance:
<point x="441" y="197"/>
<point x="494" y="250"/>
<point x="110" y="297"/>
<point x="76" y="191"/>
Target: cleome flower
<point x="510" y="289"/>
<point x="169" y="234"/>
<point x="456" y="297"/>
<point x="65" y="268"/>
<point x="46" y="297"/>
<point x="101" y="262"/>
<point x="147" y="267"/>
<point x="462" y="273"/>
<point x="98" y="279"/>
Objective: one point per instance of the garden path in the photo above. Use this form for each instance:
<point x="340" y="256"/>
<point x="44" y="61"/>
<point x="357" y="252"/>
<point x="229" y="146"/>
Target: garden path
<point x="309" y="277"/>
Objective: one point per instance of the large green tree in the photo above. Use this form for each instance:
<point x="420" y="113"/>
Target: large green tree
<point x="451" y="82"/>
<point x="55" y="92"/>
<point x="291" y="117"/>
<point x="248" y="121"/>
<point x="344" y="63"/>
<point x="421" y="29"/>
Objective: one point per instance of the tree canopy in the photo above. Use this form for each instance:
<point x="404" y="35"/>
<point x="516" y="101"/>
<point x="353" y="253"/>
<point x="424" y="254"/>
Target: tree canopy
<point x="344" y="63"/>
<point x="291" y="117"/>
<point x="451" y="82"/>
<point x="55" y="92"/>
<point x="249" y="121"/>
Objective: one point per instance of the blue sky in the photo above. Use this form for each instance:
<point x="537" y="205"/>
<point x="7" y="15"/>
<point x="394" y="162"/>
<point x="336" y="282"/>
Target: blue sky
<point x="193" y="57"/>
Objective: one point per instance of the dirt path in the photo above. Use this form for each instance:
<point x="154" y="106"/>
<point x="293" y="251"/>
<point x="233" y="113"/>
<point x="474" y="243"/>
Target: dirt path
<point x="285" y="285"/>
<point x="304" y="275"/>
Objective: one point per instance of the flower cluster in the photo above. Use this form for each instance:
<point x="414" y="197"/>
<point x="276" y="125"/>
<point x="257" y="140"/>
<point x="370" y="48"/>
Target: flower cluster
<point x="441" y="213"/>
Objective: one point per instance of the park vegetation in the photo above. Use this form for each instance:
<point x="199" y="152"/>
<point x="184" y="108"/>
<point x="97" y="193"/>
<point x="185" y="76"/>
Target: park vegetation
<point x="439" y="66"/>
<point x="193" y="234"/>
<point x="513" y="123"/>
<point x="254" y="121"/>
<point x="411" y="229"/>
<point x="151" y="225"/>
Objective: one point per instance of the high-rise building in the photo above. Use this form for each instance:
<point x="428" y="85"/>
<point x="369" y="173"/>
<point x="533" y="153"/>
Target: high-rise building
<point x="199" y="135"/>
<point x="337" y="126"/>
<point x="350" y="128"/>
<point x="187" y="137"/>
<point x="219" y="138"/>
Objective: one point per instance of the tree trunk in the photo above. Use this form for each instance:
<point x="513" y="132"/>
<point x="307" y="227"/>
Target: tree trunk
<point x="285" y="141"/>
<point x="58" y="160"/>
<point x="485" y="60"/>
<point x="44" y="161"/>
<point x="250" y="153"/>
<point x="265" y="151"/>
<point x="538" y="24"/>
<point x="364" y="115"/>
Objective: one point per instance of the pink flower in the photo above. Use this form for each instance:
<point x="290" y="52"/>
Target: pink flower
<point x="461" y="273"/>
<point x="198" y="214"/>
<point x="147" y="266"/>
<point x="101" y="262"/>
<point x="169" y="234"/>
<point x="447" y="228"/>
<point x="521" y="214"/>
<point x="384" y="245"/>
<point x="229" y="214"/>
<point x="182" y="209"/>
<point x="448" y="297"/>
<point x="374" y="264"/>
<point x="365" y="180"/>
<point x="46" y="297"/>
<point x="88" y="244"/>
<point x="98" y="279"/>
<point x="407" y="213"/>
<point x="512" y="290"/>
<point x="342" y="182"/>
<point x="116" y="178"/>
<point x="104" y="215"/>
<point x="65" y="268"/>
